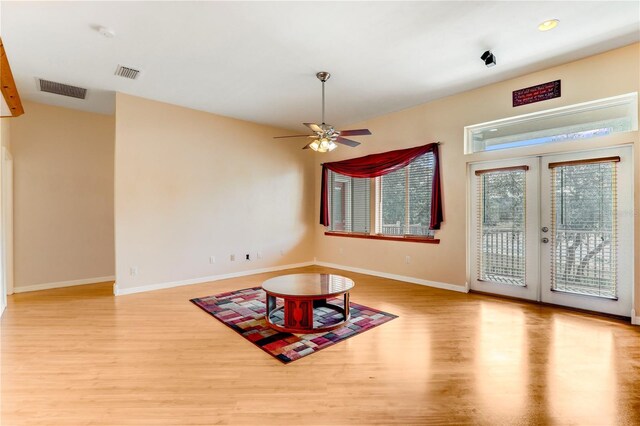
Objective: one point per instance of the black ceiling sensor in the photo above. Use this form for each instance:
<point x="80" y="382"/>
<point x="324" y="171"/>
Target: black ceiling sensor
<point x="488" y="58"/>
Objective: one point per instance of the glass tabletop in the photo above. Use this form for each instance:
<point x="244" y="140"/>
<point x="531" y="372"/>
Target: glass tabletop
<point x="308" y="284"/>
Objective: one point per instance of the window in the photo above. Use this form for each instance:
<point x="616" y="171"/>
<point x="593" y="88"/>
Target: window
<point x="404" y="199"/>
<point x="574" y="122"/>
<point x="408" y="201"/>
<point x="349" y="203"/>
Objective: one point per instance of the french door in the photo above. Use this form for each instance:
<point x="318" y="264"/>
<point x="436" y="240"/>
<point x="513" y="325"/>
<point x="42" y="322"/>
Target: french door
<point x="557" y="229"/>
<point x="505" y="218"/>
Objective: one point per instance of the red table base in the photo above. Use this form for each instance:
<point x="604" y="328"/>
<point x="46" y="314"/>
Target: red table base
<point x="298" y="313"/>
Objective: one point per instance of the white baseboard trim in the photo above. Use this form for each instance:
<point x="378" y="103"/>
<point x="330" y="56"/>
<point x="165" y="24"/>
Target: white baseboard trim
<point x="161" y="286"/>
<point x="444" y="286"/>
<point x="60" y="284"/>
<point x="635" y="320"/>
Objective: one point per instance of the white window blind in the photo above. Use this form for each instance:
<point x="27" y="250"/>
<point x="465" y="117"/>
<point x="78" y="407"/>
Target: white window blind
<point x="404" y="199"/>
<point x="349" y="203"/>
<point x="583" y="228"/>
<point x="501" y="226"/>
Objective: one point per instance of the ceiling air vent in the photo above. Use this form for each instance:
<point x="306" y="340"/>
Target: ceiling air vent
<point x="127" y="72"/>
<point x="62" y="89"/>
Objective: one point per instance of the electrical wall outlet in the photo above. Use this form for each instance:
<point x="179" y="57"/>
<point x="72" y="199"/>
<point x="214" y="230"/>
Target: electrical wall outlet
<point x="407" y="259"/>
<point x="232" y="257"/>
<point x="133" y="271"/>
<point x="259" y="255"/>
<point x="212" y="259"/>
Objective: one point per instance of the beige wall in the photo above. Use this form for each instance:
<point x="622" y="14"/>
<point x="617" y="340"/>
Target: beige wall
<point x="612" y="73"/>
<point x="190" y="185"/>
<point x="63" y="195"/>
<point x="5" y="125"/>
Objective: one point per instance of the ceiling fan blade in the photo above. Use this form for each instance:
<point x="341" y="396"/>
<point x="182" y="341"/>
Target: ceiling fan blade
<point x="292" y="136"/>
<point x="356" y="132"/>
<point x="314" y="127"/>
<point x="307" y="145"/>
<point x="346" y="141"/>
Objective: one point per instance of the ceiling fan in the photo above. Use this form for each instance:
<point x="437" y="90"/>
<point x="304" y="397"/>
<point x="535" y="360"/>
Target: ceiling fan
<point x="326" y="137"/>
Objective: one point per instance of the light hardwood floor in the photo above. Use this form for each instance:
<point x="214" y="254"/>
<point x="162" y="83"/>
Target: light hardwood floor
<point x="79" y="356"/>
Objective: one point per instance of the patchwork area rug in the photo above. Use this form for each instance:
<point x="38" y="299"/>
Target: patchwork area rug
<point x="243" y="311"/>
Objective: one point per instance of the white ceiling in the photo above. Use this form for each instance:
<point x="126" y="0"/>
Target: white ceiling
<point x="257" y="60"/>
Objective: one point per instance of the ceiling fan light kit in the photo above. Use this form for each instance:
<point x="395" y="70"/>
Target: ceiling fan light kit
<point x="326" y="136"/>
<point x="323" y="145"/>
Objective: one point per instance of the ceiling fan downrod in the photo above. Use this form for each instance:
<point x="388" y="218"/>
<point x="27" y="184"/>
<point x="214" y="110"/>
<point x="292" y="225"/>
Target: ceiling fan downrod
<point x="323" y="76"/>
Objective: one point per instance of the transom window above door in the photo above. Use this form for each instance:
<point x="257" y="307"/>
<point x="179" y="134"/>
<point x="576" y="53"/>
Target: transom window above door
<point x="576" y="122"/>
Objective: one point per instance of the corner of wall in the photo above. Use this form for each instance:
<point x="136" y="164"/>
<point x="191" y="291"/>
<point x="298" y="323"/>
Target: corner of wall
<point x="211" y="196"/>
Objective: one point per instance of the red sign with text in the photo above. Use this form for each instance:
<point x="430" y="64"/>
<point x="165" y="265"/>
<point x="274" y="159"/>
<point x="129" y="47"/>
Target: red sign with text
<point x="541" y="92"/>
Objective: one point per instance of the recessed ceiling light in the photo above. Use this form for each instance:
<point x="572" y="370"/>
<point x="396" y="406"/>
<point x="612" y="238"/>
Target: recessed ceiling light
<point x="493" y="130"/>
<point x="548" y="25"/>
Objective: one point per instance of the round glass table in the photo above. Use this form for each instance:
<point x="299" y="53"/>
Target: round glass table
<point x="302" y="293"/>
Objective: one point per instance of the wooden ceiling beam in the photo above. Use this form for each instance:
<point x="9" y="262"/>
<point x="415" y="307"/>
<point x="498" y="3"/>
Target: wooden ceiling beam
<point x="8" y="86"/>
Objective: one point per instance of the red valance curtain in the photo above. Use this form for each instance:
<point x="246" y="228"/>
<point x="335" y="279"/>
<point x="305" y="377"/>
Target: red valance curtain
<point x="375" y="165"/>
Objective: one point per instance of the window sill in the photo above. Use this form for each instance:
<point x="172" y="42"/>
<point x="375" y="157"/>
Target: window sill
<point x="383" y="237"/>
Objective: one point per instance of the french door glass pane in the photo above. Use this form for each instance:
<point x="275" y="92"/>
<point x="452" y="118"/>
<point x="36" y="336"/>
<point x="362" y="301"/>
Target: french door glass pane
<point x="501" y="225"/>
<point x="583" y="225"/>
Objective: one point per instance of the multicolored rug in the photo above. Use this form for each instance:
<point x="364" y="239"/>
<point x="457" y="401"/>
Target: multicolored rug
<point x="243" y="311"/>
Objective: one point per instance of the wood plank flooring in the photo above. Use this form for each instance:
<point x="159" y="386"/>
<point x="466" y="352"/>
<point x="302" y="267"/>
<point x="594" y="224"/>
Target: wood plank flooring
<point x="80" y="356"/>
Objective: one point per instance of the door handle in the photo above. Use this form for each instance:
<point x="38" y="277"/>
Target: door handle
<point x="545" y="240"/>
